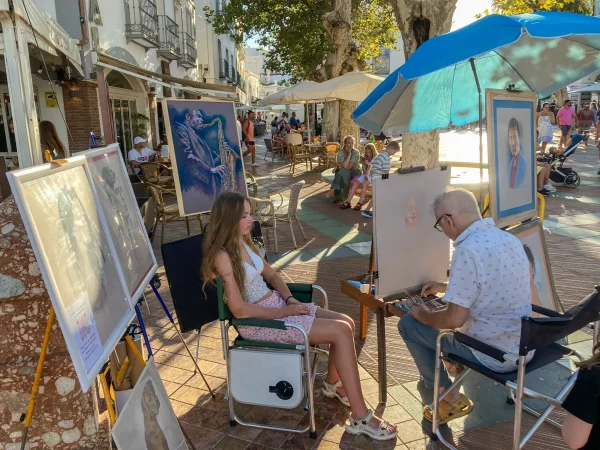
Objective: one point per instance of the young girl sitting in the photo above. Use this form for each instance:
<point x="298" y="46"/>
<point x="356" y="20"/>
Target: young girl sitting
<point x="230" y="254"/>
<point x="363" y="180"/>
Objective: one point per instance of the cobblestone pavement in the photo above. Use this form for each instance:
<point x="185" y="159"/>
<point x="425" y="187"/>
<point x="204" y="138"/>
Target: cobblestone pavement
<point x="338" y="246"/>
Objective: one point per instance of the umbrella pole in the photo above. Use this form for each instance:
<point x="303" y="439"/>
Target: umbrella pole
<point x="481" y="197"/>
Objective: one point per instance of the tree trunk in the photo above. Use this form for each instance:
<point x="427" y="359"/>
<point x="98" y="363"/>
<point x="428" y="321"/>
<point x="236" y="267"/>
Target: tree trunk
<point x="418" y="21"/>
<point x="331" y="121"/>
<point x="347" y="125"/>
<point x="561" y="96"/>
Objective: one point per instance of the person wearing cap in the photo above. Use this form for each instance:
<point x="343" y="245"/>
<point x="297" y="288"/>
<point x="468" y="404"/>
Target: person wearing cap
<point x="139" y="153"/>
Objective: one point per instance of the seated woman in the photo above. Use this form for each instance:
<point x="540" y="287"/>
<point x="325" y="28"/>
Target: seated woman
<point x="348" y="166"/>
<point x="279" y="139"/>
<point x="363" y="180"/>
<point x="230" y="254"/>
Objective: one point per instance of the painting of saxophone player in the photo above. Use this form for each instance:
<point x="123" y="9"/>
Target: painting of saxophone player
<point x="148" y="422"/>
<point x="206" y="152"/>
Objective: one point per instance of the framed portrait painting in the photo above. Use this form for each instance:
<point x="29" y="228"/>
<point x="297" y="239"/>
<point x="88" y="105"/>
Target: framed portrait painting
<point x="511" y="155"/>
<point x="206" y="152"/>
<point x="76" y="257"/>
<point x="148" y="421"/>
<point x="543" y="292"/>
<point x="123" y="217"/>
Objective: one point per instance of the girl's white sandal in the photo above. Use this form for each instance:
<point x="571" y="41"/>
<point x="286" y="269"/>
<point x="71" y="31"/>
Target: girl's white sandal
<point x="330" y="390"/>
<point x="361" y="426"/>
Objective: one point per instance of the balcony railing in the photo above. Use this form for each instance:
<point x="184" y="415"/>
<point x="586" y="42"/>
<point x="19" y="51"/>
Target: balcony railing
<point x="224" y="69"/>
<point x="168" y="37"/>
<point x="188" y="51"/>
<point x="141" y="22"/>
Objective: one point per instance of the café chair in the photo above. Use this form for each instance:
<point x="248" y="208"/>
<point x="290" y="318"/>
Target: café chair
<point x="540" y="334"/>
<point x="268" y="214"/>
<point x="157" y="173"/>
<point x="297" y="151"/>
<point x="167" y="209"/>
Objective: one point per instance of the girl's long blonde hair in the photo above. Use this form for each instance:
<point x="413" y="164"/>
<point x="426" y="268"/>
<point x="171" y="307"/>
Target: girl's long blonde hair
<point x="373" y="150"/>
<point x="223" y="234"/>
<point x="594" y="361"/>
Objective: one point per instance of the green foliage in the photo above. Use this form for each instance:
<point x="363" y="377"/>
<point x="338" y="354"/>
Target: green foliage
<point x="512" y="7"/>
<point x="292" y="35"/>
<point x="140" y="125"/>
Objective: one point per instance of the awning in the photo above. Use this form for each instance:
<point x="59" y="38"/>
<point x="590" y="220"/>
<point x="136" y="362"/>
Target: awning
<point x="218" y="91"/>
<point x="50" y="35"/>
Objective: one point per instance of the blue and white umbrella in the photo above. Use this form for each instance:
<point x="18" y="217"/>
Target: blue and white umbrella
<point x="540" y="52"/>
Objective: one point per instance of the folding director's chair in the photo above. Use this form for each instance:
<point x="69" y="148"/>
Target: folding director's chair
<point x="539" y="334"/>
<point x="270" y="374"/>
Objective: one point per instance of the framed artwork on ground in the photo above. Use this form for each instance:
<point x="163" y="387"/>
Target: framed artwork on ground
<point x="543" y="292"/>
<point x="511" y="155"/>
<point x="206" y="152"/>
<point x="148" y="421"/>
<point x="123" y="217"/>
<point x="76" y="257"/>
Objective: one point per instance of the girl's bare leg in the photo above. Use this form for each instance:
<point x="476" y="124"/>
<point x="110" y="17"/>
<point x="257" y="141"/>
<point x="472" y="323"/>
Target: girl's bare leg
<point x="339" y="334"/>
<point x="543" y="148"/>
<point x="352" y="191"/>
<point x="363" y="191"/>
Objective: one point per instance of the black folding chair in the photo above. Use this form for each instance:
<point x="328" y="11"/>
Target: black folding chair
<point x="539" y="334"/>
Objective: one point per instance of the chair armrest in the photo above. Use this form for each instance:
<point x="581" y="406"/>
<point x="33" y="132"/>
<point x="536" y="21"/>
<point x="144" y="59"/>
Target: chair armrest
<point x="263" y="323"/>
<point x="545" y="311"/>
<point x="486" y="349"/>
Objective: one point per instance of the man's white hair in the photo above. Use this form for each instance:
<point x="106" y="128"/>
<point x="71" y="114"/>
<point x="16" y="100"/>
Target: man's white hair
<point x="457" y="201"/>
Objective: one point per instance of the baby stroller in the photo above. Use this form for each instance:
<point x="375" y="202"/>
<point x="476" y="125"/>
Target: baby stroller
<point x="558" y="172"/>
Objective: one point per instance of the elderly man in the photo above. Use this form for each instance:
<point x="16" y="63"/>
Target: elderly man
<point x="487" y="294"/>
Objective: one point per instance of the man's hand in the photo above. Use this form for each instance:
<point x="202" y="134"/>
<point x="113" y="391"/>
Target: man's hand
<point x="433" y="287"/>
<point x="416" y="311"/>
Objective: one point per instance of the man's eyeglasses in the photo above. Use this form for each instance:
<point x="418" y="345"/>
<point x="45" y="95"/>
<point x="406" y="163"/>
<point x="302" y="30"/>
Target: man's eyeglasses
<point x="437" y="225"/>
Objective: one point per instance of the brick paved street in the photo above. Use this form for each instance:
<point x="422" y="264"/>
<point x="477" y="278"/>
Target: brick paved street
<point x="337" y="247"/>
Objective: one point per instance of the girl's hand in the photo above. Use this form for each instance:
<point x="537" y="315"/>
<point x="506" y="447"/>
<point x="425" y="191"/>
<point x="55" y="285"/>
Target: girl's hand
<point x="296" y="310"/>
<point x="293" y="301"/>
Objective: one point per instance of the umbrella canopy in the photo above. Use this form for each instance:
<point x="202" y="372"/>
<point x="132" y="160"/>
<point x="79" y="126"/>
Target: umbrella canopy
<point x="592" y="88"/>
<point x="293" y="95"/>
<point x="539" y="52"/>
<point x="353" y="86"/>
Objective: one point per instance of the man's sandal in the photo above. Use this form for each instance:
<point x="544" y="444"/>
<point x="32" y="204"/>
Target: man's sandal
<point x="362" y="426"/>
<point x="330" y="390"/>
<point x="358" y="206"/>
<point x="346" y="205"/>
<point x="449" y="411"/>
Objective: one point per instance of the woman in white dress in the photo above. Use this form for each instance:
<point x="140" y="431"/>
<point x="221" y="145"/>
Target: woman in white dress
<point x="544" y="127"/>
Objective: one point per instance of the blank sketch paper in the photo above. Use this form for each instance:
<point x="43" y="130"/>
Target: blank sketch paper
<point x="123" y="218"/>
<point x="148" y="421"/>
<point x="408" y="250"/>
<point x="76" y="260"/>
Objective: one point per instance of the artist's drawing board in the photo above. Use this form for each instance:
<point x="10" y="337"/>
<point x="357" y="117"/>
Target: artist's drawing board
<point x="511" y="154"/>
<point x="148" y="421"/>
<point x="125" y="223"/>
<point x="543" y="294"/>
<point x="197" y="152"/>
<point x="72" y="245"/>
<point x="409" y="251"/>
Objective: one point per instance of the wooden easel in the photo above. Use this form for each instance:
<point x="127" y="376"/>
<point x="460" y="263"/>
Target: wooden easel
<point x="363" y="308"/>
